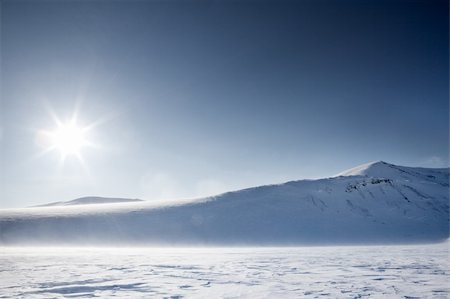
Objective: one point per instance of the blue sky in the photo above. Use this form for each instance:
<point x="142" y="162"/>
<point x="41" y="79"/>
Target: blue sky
<point x="196" y="98"/>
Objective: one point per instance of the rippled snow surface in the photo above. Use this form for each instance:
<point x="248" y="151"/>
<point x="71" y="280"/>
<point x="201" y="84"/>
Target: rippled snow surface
<point x="420" y="271"/>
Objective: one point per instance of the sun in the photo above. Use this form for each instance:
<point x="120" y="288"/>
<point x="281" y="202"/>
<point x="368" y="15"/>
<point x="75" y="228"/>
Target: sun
<point x="68" y="139"/>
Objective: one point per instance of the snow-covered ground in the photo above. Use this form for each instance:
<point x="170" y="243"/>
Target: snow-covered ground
<point x="412" y="271"/>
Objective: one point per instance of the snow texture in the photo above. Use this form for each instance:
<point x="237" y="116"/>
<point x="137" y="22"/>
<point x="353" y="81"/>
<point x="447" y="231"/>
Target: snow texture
<point x="412" y="271"/>
<point x="371" y="204"/>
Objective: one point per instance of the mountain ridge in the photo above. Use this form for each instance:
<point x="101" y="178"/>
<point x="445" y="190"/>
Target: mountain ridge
<point x="382" y="203"/>
<point x="366" y="170"/>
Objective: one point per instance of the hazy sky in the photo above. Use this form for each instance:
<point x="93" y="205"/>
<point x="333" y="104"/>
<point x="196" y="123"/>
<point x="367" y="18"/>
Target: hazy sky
<point x="196" y="98"/>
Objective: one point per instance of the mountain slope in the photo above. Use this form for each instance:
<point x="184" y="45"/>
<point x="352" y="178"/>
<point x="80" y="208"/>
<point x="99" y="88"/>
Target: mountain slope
<point x="374" y="203"/>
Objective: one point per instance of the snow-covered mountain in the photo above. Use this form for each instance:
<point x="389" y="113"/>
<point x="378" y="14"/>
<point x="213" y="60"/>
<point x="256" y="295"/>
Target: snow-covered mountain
<point x="373" y="203"/>
<point x="88" y="200"/>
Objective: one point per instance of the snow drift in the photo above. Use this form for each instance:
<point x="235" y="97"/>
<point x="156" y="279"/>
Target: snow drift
<point x="373" y="203"/>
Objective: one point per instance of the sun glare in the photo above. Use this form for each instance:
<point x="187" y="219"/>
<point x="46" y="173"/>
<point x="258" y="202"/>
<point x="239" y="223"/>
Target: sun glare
<point x="68" y="139"/>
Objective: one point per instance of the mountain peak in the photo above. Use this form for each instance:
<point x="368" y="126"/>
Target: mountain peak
<point x="381" y="169"/>
<point x="376" y="168"/>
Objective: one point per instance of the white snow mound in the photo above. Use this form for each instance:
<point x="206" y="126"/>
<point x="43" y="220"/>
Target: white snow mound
<point x="373" y="203"/>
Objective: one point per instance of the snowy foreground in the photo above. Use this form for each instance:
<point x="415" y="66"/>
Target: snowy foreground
<point x="413" y="271"/>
